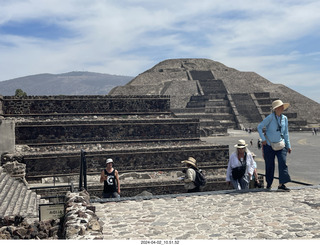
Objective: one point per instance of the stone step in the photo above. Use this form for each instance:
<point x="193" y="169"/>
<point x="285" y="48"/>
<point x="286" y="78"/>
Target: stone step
<point x="6" y="185"/>
<point x="15" y="198"/>
<point x="188" y="110"/>
<point x="3" y="180"/>
<point x="218" y="102"/>
<point x="32" y="209"/>
<point x="25" y="204"/>
<point x="218" y="109"/>
<point x="17" y="194"/>
<point x="18" y="205"/>
<point x="9" y="191"/>
<point x="214" y="116"/>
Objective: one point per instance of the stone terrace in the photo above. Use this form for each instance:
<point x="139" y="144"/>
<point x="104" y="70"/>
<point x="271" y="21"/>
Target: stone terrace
<point x="138" y="132"/>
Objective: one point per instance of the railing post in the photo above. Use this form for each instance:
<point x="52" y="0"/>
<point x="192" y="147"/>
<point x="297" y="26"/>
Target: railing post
<point x="81" y="174"/>
<point x="83" y="171"/>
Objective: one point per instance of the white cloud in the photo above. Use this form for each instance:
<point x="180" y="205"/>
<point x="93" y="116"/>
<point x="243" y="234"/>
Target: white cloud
<point x="128" y="37"/>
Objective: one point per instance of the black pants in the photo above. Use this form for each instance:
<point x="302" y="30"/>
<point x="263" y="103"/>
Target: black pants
<point x="194" y="189"/>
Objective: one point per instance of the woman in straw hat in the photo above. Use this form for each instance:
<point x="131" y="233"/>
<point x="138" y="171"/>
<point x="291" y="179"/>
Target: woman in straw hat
<point x="240" y="159"/>
<point x="276" y="131"/>
<point x="190" y="175"/>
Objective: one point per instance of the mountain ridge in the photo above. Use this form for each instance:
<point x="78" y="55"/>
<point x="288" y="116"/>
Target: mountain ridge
<point x="69" y="83"/>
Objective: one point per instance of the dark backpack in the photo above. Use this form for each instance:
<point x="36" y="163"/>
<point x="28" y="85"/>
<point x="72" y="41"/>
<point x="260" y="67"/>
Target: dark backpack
<point x="200" y="179"/>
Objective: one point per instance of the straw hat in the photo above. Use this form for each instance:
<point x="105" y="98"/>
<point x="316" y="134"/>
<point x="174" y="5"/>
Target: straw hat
<point x="190" y="161"/>
<point x="241" y="144"/>
<point x="277" y="103"/>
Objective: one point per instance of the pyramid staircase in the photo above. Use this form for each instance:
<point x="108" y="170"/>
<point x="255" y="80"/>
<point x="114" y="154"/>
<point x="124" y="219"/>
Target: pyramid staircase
<point x="219" y="110"/>
<point x="211" y="106"/>
<point x="264" y="101"/>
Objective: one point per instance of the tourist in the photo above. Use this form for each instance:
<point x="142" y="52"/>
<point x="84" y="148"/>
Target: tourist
<point x="110" y="178"/>
<point x="240" y="167"/>
<point x="259" y="144"/>
<point x="276" y="133"/>
<point x="190" y="175"/>
<point x="254" y="181"/>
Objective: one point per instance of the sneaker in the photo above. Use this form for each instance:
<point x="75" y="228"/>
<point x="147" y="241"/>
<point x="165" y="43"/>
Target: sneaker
<point x="268" y="188"/>
<point x="283" y="188"/>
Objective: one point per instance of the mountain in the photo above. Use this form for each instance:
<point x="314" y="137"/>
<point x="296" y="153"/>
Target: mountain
<point x="71" y="83"/>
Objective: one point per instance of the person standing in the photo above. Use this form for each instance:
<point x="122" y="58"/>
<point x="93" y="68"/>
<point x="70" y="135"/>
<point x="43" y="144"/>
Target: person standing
<point x="110" y="178"/>
<point x="240" y="167"/>
<point x="276" y="130"/>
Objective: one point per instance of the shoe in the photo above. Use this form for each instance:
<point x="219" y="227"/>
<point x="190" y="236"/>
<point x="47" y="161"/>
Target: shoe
<point x="283" y="188"/>
<point x="268" y="188"/>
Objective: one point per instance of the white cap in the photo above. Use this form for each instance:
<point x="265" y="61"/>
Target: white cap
<point x="109" y="160"/>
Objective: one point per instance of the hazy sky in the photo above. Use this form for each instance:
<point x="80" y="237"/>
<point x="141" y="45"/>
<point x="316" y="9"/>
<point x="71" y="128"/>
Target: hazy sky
<point x="279" y="40"/>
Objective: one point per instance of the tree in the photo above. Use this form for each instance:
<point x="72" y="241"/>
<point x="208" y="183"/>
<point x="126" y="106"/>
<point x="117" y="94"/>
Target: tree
<point x="20" y="93"/>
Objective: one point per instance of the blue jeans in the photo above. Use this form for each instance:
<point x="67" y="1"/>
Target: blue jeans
<point x="241" y="184"/>
<point x="269" y="158"/>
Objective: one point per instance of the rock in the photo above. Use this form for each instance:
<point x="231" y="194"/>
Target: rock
<point x="144" y="193"/>
<point x="94" y="225"/>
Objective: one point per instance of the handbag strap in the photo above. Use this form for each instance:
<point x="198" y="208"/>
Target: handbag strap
<point x="279" y="127"/>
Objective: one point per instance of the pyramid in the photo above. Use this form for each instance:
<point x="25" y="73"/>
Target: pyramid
<point x="219" y="95"/>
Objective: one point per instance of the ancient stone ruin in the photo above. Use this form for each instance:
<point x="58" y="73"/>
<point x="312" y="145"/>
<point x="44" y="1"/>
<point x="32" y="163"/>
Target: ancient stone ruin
<point x="140" y="133"/>
<point x="219" y="96"/>
<point x="148" y="127"/>
<point x="144" y="138"/>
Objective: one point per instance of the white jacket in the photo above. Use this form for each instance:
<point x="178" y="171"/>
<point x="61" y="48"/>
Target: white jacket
<point x="234" y="162"/>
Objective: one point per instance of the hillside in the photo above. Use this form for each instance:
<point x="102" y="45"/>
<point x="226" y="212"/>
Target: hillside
<point x="72" y="83"/>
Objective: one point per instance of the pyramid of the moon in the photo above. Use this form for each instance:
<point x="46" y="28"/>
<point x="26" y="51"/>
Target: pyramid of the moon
<point x="220" y="96"/>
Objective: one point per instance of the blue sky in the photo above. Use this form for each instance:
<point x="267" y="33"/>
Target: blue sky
<point x="279" y="40"/>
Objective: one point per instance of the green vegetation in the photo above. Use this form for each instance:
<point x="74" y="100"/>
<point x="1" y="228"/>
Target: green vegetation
<point x="20" y="93"/>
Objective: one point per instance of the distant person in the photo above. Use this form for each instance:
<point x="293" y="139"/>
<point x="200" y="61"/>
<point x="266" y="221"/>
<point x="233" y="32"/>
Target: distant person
<point x="240" y="167"/>
<point x="259" y="144"/>
<point x="110" y="178"/>
<point x="276" y="133"/>
<point x="190" y="175"/>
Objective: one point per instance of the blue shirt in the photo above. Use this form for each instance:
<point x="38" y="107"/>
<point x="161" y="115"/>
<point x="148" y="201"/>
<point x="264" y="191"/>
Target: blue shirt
<point x="272" y="124"/>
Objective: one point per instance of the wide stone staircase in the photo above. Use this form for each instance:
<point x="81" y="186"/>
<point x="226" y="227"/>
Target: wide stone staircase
<point x="212" y="106"/>
<point x="15" y="198"/>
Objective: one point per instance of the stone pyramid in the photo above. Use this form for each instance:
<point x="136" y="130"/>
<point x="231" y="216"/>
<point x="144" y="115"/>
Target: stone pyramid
<point x="187" y="80"/>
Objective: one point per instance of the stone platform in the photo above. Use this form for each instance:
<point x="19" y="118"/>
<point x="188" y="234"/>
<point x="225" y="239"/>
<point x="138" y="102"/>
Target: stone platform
<point x="257" y="214"/>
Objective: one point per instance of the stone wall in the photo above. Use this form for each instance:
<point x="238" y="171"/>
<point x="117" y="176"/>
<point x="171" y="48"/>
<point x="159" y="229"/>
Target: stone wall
<point x="34" y="105"/>
<point x="160" y="188"/>
<point x="37" y="132"/>
<point x="80" y="218"/>
<point x="138" y="158"/>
